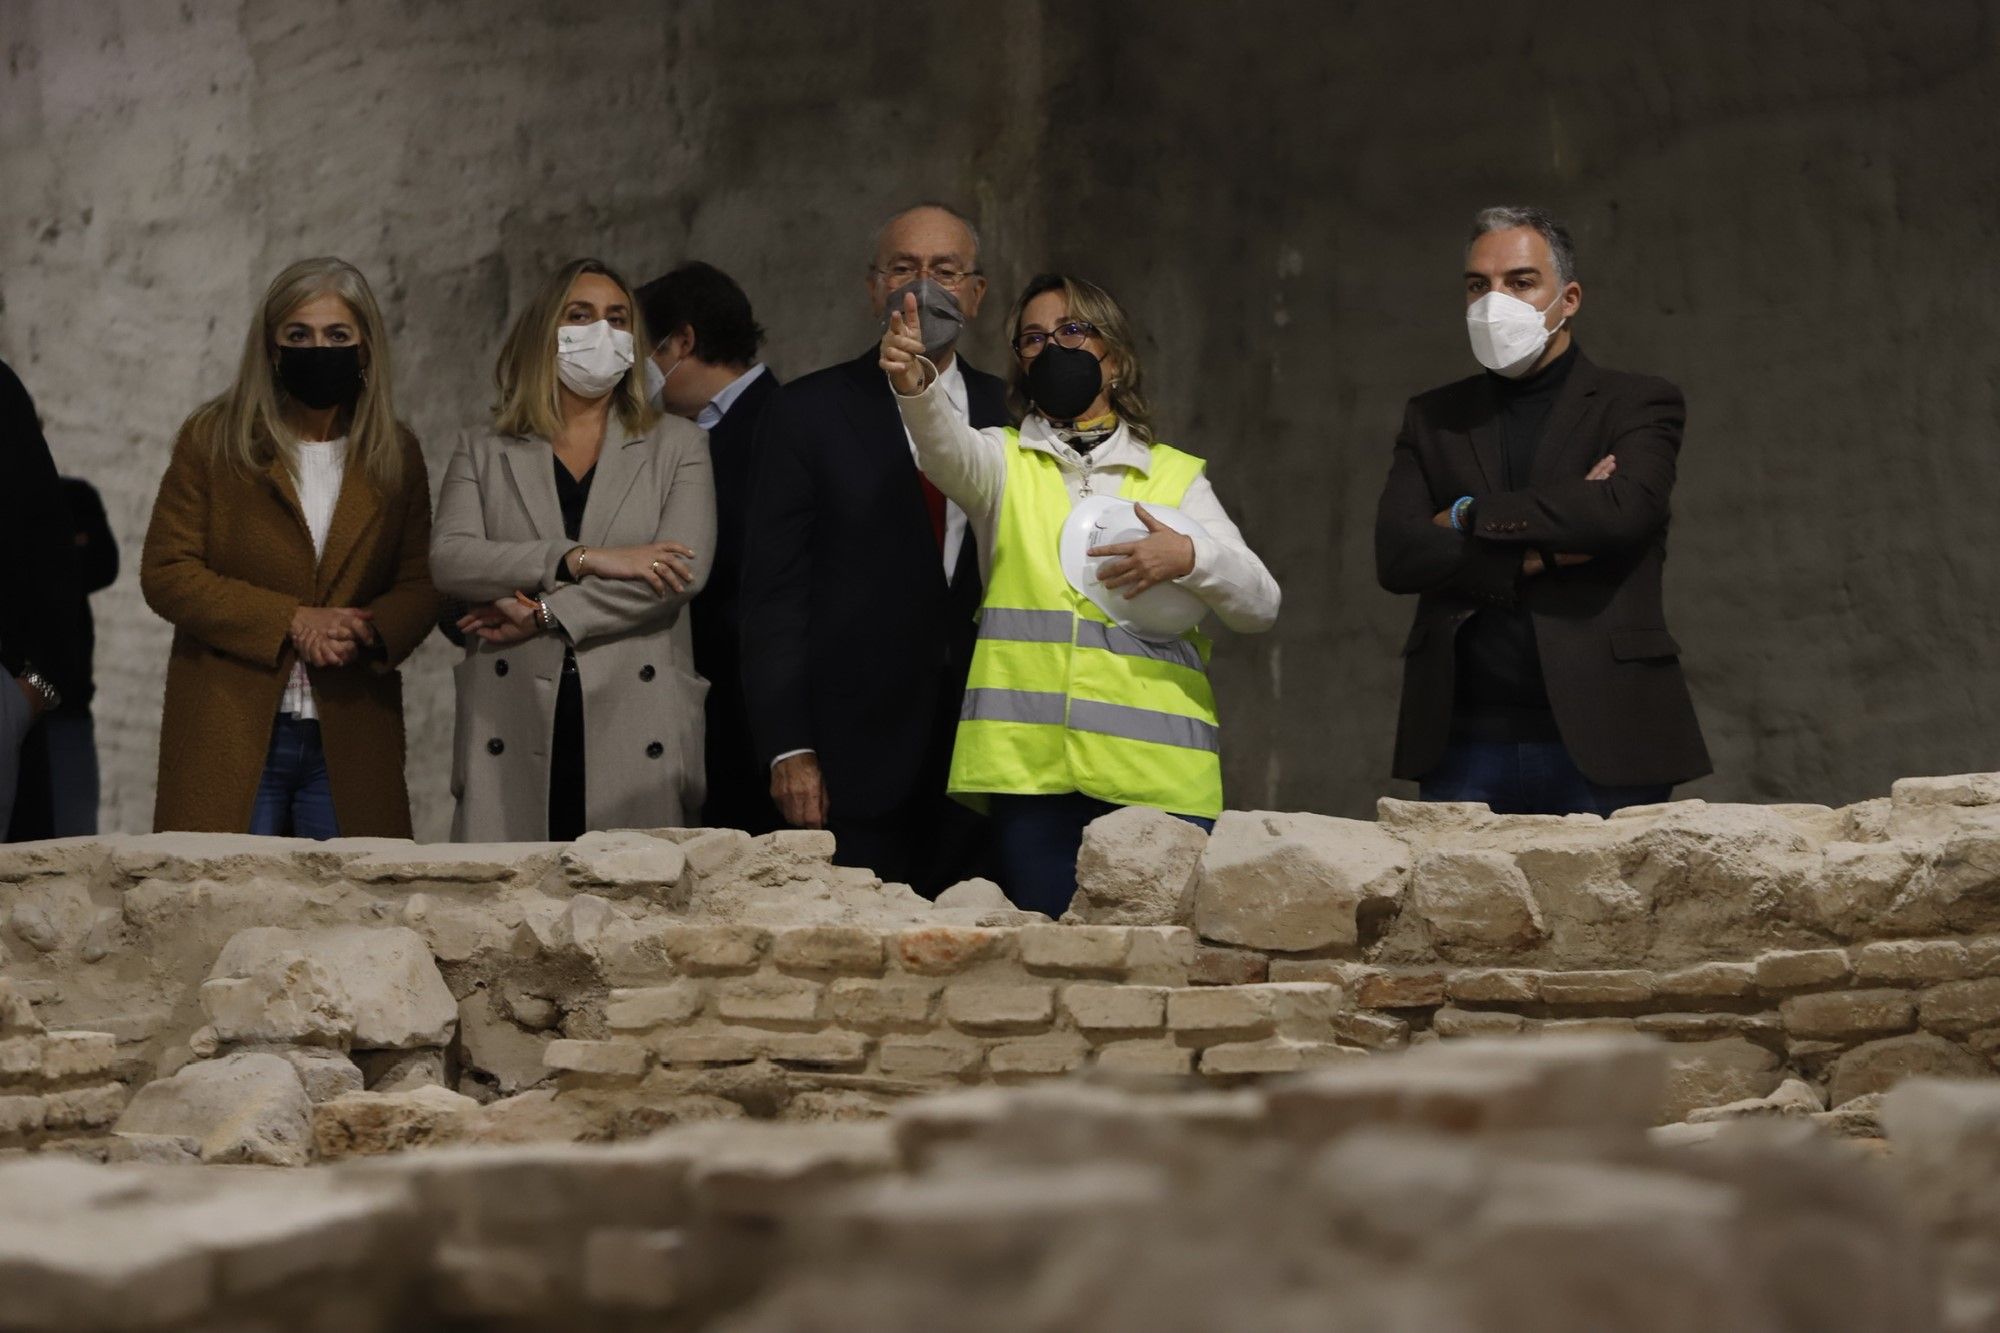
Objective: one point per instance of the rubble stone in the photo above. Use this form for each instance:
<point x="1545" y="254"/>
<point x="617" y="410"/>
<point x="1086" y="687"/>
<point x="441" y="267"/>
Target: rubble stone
<point x="1960" y="1007"/>
<point x="399" y="1000"/>
<point x="1137" y="867"/>
<point x="621" y="862"/>
<point x="324" y="1074"/>
<point x="364" y="1124"/>
<point x="1474" y="902"/>
<point x="1877" y="1066"/>
<point x="240" y="1108"/>
<point x="1295" y="882"/>
<point x="284" y="997"/>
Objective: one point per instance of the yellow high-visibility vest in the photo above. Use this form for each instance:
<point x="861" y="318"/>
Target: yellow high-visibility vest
<point x="1061" y="699"/>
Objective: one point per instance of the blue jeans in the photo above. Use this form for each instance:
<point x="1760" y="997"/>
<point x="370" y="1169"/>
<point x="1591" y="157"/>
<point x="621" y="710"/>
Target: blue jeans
<point x="1036" y="841"/>
<point x="294" y="797"/>
<point x="1527" y="778"/>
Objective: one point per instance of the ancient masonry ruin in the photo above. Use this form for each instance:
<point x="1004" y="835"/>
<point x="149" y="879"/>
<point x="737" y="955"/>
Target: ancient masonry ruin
<point x="1694" y="1066"/>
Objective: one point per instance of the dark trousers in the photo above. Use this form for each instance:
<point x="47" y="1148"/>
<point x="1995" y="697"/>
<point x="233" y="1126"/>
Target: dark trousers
<point x="1527" y="778"/>
<point x="566" y="789"/>
<point x="294" y="796"/>
<point x="73" y="777"/>
<point x="930" y="844"/>
<point x="33" y="817"/>
<point x="1036" y="839"/>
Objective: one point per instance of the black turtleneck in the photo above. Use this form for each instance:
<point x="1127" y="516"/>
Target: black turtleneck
<point x="1500" y="694"/>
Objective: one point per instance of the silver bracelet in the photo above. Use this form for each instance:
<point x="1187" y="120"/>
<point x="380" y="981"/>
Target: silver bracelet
<point x="545" y="619"/>
<point x="40" y="684"/>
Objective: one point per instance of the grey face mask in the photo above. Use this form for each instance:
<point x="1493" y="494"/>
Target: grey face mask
<point x="939" y="319"/>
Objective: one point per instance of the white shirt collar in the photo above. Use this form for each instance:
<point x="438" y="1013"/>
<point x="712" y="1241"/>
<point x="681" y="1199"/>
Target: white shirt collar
<point x="717" y="408"/>
<point x="1119" y="450"/>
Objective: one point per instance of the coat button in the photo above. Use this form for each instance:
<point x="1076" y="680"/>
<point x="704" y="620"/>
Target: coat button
<point x="495" y="746"/>
<point x="646" y="672"/>
<point x="655" y="750"/>
<point x="500" y="667"/>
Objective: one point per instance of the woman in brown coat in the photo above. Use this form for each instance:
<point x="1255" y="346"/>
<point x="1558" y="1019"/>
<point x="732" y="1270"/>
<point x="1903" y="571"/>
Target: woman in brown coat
<point x="288" y="547"/>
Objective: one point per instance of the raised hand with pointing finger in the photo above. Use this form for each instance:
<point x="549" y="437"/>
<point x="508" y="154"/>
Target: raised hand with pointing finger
<point x="901" y="350"/>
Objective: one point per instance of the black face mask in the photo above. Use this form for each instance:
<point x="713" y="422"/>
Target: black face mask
<point x="1064" y="381"/>
<point x="321" y="377"/>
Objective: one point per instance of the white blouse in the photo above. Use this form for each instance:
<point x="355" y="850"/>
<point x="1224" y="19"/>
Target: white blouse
<point x="322" y="464"/>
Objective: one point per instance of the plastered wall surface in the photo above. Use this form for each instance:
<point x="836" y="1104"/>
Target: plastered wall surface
<point x="1787" y="209"/>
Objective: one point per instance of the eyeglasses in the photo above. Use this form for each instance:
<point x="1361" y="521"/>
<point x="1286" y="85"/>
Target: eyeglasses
<point x="1071" y="333"/>
<point x="948" y="278"/>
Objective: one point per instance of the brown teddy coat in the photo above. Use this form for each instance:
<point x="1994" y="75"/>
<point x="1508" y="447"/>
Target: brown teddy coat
<point x="228" y="558"/>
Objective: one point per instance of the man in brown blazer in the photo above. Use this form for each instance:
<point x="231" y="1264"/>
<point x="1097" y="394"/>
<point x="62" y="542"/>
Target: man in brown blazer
<point x="1526" y="507"/>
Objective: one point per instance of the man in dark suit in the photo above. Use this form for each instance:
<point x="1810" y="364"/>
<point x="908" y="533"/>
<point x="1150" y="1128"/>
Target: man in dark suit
<point x="860" y="582"/>
<point x="1527" y="509"/>
<point x="703" y="366"/>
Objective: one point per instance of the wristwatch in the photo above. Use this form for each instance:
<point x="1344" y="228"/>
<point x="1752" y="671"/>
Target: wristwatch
<point x="545" y="619"/>
<point x="51" y="696"/>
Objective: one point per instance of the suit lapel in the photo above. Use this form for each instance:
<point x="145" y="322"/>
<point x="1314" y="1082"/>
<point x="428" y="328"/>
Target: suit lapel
<point x="532" y="464"/>
<point x="281" y="482"/>
<point x="1485" y="436"/>
<point x="1555" y="456"/>
<point x="617" y="463"/>
<point x="879" y="434"/>
<point x="985" y="398"/>
<point x="359" y="506"/>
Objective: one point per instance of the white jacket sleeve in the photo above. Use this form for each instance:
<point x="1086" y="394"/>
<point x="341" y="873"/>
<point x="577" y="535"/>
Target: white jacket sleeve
<point x="1227" y="574"/>
<point x="969" y="466"/>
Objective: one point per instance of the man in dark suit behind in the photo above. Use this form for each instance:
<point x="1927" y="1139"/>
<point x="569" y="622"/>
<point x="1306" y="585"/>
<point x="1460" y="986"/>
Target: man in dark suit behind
<point x="860" y="582"/>
<point x="703" y="366"/>
<point x="1527" y="509"/>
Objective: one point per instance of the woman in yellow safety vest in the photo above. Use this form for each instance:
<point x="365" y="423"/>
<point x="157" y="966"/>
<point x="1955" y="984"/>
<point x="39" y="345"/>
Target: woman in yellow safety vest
<point x="1068" y="713"/>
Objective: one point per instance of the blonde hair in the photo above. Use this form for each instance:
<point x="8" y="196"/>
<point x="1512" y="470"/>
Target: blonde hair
<point x="246" y="425"/>
<point x="1092" y="304"/>
<point x="526" y="371"/>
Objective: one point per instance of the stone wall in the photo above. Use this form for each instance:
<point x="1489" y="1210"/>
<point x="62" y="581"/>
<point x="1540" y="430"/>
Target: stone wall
<point x="1498" y="1185"/>
<point x="375" y="995"/>
<point x="1279" y="198"/>
<point x="56" y="1088"/>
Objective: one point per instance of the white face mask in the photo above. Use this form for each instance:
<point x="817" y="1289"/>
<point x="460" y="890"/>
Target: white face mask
<point x="656" y="382"/>
<point x="1507" y="333"/>
<point x="592" y="358"/>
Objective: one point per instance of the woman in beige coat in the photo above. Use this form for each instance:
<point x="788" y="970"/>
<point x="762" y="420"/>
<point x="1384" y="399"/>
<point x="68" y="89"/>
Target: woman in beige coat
<point x="577" y="531"/>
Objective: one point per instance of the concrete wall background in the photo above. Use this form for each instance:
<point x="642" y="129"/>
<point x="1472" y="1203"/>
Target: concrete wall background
<point x="1791" y="209"/>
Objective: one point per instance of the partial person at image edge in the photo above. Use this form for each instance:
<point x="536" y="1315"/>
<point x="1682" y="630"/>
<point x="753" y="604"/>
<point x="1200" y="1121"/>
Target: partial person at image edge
<point x="1527" y="508"/>
<point x="74" y="783"/>
<point x="41" y="643"/>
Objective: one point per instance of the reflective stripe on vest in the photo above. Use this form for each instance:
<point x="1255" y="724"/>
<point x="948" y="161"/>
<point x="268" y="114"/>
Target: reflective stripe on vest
<point x="1059" y="698"/>
<point x="1139" y="724"/>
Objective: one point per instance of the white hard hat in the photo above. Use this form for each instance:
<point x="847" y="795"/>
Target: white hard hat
<point x="1164" y="611"/>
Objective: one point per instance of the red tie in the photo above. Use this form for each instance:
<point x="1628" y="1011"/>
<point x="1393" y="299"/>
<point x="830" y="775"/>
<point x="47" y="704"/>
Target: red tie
<point x="934" y="502"/>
